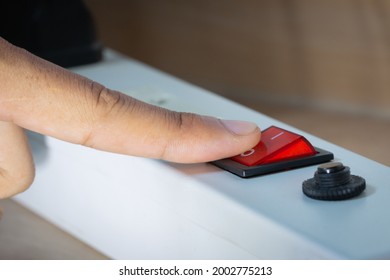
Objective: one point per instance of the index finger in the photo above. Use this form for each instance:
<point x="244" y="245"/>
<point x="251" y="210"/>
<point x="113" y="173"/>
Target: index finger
<point x="48" y="99"/>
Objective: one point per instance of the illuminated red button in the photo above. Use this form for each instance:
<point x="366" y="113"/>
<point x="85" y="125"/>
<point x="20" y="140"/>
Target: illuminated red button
<point x="276" y="144"/>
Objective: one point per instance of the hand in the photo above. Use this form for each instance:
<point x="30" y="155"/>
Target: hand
<point x="42" y="97"/>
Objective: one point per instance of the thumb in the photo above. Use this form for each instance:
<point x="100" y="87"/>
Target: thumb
<point x="48" y="99"/>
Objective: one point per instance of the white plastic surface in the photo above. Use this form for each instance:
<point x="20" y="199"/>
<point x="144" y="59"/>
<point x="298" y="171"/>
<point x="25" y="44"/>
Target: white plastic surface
<point x="135" y="208"/>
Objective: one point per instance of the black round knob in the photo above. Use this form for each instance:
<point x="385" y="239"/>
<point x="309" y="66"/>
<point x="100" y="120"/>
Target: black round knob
<point x="333" y="181"/>
<point x="330" y="167"/>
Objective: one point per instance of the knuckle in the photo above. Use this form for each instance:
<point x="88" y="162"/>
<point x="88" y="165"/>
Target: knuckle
<point x="181" y="120"/>
<point x="104" y="104"/>
<point x="179" y="123"/>
<point x="104" y="100"/>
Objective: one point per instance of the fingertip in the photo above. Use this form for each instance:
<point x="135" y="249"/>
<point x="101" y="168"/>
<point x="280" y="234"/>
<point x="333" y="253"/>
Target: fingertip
<point x="214" y="139"/>
<point x="243" y="136"/>
<point x="241" y="128"/>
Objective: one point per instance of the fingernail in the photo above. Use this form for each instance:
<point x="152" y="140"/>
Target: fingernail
<point x="239" y="127"/>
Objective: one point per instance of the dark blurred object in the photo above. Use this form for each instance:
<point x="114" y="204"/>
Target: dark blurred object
<point x="60" y="31"/>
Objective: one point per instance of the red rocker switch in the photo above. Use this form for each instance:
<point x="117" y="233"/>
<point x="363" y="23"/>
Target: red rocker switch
<point x="276" y="145"/>
<point x="278" y="150"/>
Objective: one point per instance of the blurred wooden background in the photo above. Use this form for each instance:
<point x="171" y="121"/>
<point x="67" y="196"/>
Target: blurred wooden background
<point x="321" y="65"/>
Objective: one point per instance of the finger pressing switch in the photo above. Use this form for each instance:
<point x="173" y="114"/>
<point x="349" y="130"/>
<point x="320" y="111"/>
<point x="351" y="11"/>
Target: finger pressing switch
<point x="278" y="150"/>
<point x="276" y="145"/>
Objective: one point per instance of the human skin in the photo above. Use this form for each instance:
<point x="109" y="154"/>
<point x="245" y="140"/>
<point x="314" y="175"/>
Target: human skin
<point x="45" y="98"/>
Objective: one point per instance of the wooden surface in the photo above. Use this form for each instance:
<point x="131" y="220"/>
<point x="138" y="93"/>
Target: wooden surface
<point x="26" y="236"/>
<point x="335" y="54"/>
